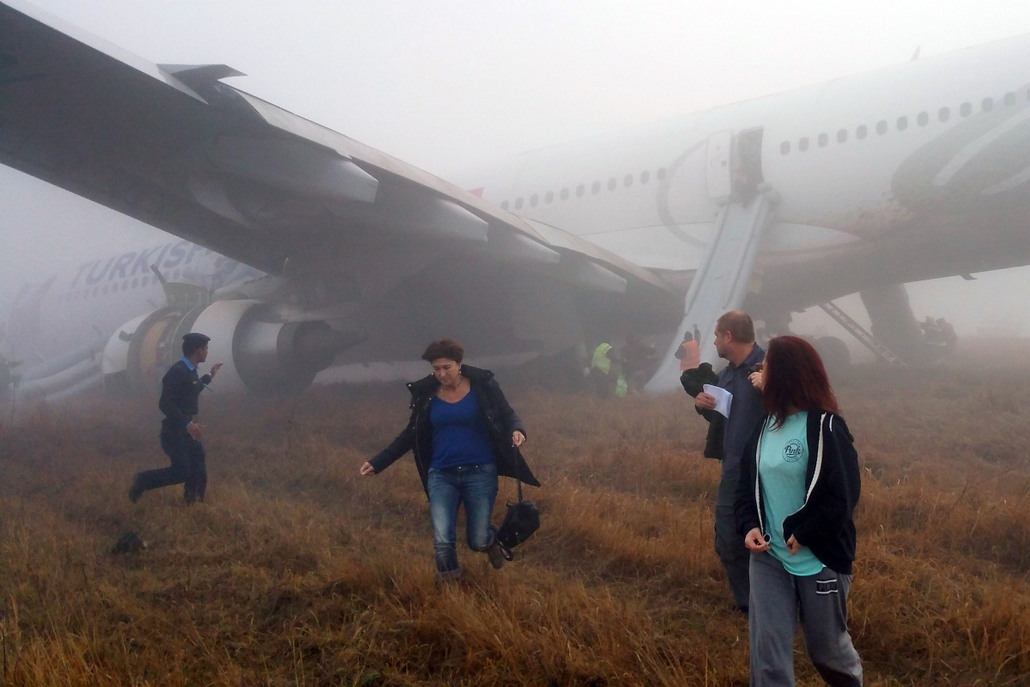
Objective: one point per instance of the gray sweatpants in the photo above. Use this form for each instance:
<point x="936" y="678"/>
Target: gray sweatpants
<point x="821" y="600"/>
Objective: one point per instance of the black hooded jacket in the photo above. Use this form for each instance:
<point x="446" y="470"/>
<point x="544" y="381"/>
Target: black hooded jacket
<point x="832" y="486"/>
<point x="501" y="421"/>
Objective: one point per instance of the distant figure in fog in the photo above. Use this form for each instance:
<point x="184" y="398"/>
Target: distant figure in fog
<point x="931" y="332"/>
<point x="180" y="432"/>
<point x="798" y="489"/>
<point x="6" y="379"/>
<point x="637" y="360"/>
<point x="602" y="376"/>
<point x="688" y="353"/>
<point x="735" y="342"/>
<point x="463" y="434"/>
<point x="948" y="335"/>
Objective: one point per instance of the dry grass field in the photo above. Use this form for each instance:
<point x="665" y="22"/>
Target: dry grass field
<point x="297" y="572"/>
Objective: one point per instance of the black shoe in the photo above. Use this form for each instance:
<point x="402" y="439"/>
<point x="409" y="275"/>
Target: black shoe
<point x="496" y="555"/>
<point x="135" y="491"/>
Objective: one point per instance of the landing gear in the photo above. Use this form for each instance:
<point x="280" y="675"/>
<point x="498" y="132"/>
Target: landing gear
<point x="834" y="352"/>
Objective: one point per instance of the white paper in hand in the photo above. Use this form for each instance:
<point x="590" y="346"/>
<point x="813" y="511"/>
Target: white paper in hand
<point x="723" y="399"/>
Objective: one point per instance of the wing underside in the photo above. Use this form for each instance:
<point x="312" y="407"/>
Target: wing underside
<point x="173" y="146"/>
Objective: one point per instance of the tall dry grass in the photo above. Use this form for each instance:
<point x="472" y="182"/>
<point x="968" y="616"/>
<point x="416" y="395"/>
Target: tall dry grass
<point x="298" y="572"/>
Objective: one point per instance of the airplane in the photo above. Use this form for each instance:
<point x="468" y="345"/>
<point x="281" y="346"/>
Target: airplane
<point x="774" y="205"/>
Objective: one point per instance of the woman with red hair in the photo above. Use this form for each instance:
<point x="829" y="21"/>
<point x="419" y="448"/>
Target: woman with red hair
<point x="798" y="488"/>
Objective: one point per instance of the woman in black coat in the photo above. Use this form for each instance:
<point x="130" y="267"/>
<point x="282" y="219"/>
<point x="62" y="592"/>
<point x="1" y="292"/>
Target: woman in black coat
<point x="463" y="434"/>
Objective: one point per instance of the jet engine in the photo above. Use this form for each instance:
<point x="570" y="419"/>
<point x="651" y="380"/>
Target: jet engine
<point x="256" y="351"/>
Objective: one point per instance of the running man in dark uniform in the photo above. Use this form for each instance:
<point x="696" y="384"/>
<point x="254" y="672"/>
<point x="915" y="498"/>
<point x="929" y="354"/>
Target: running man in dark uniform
<point x="180" y="434"/>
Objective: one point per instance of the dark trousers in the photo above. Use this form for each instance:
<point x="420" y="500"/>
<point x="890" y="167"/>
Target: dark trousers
<point x="601" y="382"/>
<point x="187" y="468"/>
<point x="729" y="545"/>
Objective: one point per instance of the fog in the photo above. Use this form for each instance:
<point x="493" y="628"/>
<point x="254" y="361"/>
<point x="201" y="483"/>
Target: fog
<point x="444" y="85"/>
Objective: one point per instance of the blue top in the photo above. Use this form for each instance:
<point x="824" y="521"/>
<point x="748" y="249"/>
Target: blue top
<point x="460" y="434"/>
<point x="782" y="464"/>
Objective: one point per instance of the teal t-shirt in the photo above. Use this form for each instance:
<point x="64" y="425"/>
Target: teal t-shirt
<point x="782" y="464"/>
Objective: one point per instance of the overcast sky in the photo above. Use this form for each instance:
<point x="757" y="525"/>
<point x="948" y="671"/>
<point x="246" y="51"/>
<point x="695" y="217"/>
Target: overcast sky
<point x="446" y="84"/>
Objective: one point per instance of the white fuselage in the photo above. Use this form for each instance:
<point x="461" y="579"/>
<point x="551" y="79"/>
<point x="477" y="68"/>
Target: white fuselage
<point x="922" y="149"/>
<point x="906" y="173"/>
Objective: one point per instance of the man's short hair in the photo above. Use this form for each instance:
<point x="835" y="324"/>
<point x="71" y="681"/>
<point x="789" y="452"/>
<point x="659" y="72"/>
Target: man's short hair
<point x="444" y="348"/>
<point x="738" y="323"/>
<point x="193" y="342"/>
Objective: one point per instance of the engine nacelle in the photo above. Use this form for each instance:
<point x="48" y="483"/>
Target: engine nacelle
<point x="256" y="353"/>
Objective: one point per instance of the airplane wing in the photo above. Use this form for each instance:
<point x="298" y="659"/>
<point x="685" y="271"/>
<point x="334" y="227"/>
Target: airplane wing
<point x="173" y="146"/>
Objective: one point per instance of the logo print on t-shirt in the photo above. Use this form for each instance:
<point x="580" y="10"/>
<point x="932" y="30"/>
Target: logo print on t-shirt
<point x="793" y="450"/>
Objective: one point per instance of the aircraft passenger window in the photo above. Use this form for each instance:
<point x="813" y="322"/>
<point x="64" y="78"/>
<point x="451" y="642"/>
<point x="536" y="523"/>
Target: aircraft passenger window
<point x="565" y="194"/>
<point x="612" y="184"/>
<point x="881" y="127"/>
<point x="965" y="110"/>
<point x="1010" y="99"/>
<point x="533" y="200"/>
<point x="135" y="283"/>
<point x="504" y="205"/>
<point x="902" y="123"/>
<point x="628" y="181"/>
<point x="145" y="281"/>
<point x="661" y="173"/>
<point x="518" y="203"/>
<point x="785" y="148"/>
<point x="943" y="114"/>
<point x="987" y="104"/>
<point x="580" y="190"/>
<point x="803" y="144"/>
<point x="549" y="197"/>
<point x="822" y="140"/>
<point x="842" y="136"/>
<point x="862" y="131"/>
<point x="923" y="119"/>
<point x="104" y="290"/>
<point x="645" y="177"/>
<point x="595" y="187"/>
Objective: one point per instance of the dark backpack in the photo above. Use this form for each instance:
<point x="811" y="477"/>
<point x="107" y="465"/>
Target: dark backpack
<point x="520" y="522"/>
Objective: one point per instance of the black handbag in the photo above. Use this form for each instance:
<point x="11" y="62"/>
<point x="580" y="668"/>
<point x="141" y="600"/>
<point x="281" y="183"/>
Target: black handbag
<point x="520" y="522"/>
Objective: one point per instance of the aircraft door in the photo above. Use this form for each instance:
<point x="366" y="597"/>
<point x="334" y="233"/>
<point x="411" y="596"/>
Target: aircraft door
<point x="718" y="168"/>
<point x="734" y="165"/>
<point x="747" y="163"/>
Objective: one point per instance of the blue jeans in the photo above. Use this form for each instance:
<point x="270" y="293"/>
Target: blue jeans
<point x="476" y="486"/>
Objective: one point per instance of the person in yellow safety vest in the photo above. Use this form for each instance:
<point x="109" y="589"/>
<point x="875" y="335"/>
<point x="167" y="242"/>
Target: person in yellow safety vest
<point x="601" y="369"/>
<point x="688" y="353"/>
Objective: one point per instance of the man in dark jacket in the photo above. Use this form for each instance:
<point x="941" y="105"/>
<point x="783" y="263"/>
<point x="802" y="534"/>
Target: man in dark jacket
<point x="735" y="342"/>
<point x="180" y="433"/>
